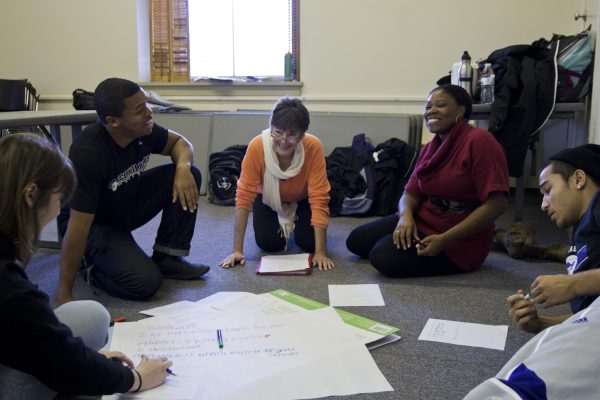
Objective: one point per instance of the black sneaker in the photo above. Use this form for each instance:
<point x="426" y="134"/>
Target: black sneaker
<point x="173" y="267"/>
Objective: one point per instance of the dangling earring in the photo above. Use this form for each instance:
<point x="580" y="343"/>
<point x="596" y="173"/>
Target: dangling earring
<point x="458" y="117"/>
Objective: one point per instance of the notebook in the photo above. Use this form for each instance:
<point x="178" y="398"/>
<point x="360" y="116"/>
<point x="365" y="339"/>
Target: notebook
<point x="290" y="264"/>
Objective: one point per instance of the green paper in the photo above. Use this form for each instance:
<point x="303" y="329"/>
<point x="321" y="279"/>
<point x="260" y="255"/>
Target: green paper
<point x="348" y="317"/>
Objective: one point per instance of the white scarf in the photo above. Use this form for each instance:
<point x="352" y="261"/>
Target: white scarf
<point x="286" y="213"/>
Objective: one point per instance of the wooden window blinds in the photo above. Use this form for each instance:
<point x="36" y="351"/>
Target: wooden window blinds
<point x="169" y="41"/>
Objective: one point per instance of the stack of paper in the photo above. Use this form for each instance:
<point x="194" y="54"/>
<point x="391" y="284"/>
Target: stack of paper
<point x="371" y="333"/>
<point x="270" y="342"/>
<point x="290" y="264"/>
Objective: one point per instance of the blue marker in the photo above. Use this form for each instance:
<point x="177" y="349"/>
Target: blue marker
<point x="171" y="372"/>
<point x="220" y="338"/>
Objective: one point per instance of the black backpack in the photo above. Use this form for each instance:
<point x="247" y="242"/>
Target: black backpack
<point x="350" y="176"/>
<point x="394" y="163"/>
<point x="224" y="168"/>
<point x="368" y="181"/>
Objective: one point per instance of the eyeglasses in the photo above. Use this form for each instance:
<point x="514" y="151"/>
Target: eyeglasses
<point x="291" y="137"/>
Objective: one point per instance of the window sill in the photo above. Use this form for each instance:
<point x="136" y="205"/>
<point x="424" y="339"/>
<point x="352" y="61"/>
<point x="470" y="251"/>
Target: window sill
<point x="225" y="89"/>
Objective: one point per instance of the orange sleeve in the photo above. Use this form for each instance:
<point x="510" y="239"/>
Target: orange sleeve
<point x="251" y="176"/>
<point x="318" y="184"/>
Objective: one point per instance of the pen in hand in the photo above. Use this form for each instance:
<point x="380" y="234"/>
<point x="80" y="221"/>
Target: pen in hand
<point x="169" y="370"/>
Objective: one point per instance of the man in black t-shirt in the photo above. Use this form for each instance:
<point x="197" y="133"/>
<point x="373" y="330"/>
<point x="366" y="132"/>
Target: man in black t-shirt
<point x="570" y="186"/>
<point x="115" y="195"/>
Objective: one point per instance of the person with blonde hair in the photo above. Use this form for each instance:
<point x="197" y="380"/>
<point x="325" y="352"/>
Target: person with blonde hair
<point x="42" y="351"/>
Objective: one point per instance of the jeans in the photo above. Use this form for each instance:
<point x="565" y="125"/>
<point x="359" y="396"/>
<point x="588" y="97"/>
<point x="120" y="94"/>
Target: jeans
<point x="118" y="265"/>
<point x="87" y="319"/>
<point x="267" y="232"/>
<point x="374" y="241"/>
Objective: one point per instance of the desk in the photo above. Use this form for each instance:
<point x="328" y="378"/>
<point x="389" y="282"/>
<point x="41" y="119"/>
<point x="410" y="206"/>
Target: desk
<point x="574" y="116"/>
<point x="55" y="119"/>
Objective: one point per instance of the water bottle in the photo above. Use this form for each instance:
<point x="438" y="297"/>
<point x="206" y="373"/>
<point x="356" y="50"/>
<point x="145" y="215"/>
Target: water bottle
<point x="487" y="84"/>
<point x="465" y="73"/>
<point x="288" y="67"/>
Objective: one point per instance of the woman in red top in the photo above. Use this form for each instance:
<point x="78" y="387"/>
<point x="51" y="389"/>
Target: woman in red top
<point x="284" y="182"/>
<point x="445" y="219"/>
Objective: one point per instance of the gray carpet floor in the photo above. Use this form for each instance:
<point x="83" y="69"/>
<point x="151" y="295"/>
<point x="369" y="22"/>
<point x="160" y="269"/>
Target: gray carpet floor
<point x="415" y="369"/>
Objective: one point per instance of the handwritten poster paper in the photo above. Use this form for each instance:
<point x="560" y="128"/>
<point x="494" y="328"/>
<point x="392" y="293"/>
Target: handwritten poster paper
<point x="264" y="355"/>
<point x="465" y="333"/>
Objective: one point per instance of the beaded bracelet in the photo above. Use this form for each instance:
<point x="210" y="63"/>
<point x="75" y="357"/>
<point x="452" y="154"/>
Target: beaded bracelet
<point x="140" y="378"/>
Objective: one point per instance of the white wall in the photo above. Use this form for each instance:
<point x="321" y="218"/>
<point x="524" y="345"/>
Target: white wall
<point x="61" y="45"/>
<point x="356" y="55"/>
<point x="400" y="48"/>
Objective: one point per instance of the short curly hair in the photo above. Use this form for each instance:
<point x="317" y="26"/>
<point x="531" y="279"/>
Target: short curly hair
<point x="110" y="95"/>
<point x="289" y="114"/>
<point x="460" y="95"/>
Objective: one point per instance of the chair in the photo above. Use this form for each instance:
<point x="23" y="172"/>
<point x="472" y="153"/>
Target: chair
<point x="13" y="95"/>
<point x="20" y="95"/>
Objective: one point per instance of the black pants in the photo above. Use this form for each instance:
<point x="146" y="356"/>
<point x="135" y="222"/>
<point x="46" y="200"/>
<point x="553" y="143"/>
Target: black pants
<point x="374" y="242"/>
<point x="267" y="231"/>
<point x="120" y="266"/>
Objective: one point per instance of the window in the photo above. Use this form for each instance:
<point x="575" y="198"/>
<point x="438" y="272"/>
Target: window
<point x="223" y="38"/>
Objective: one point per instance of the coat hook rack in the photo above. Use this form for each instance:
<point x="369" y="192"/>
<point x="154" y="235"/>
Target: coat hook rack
<point x="579" y="16"/>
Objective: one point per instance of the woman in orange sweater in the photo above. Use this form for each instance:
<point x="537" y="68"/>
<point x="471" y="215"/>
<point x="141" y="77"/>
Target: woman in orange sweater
<point x="284" y="182"/>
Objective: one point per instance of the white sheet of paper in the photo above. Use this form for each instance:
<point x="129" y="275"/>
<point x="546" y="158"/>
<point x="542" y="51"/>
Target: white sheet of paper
<point x="189" y="315"/>
<point x="241" y="305"/>
<point x="285" y="263"/>
<point x="222" y="299"/>
<point x="211" y="307"/>
<point x="355" y="295"/>
<point x="465" y="333"/>
<point x="167" y="309"/>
